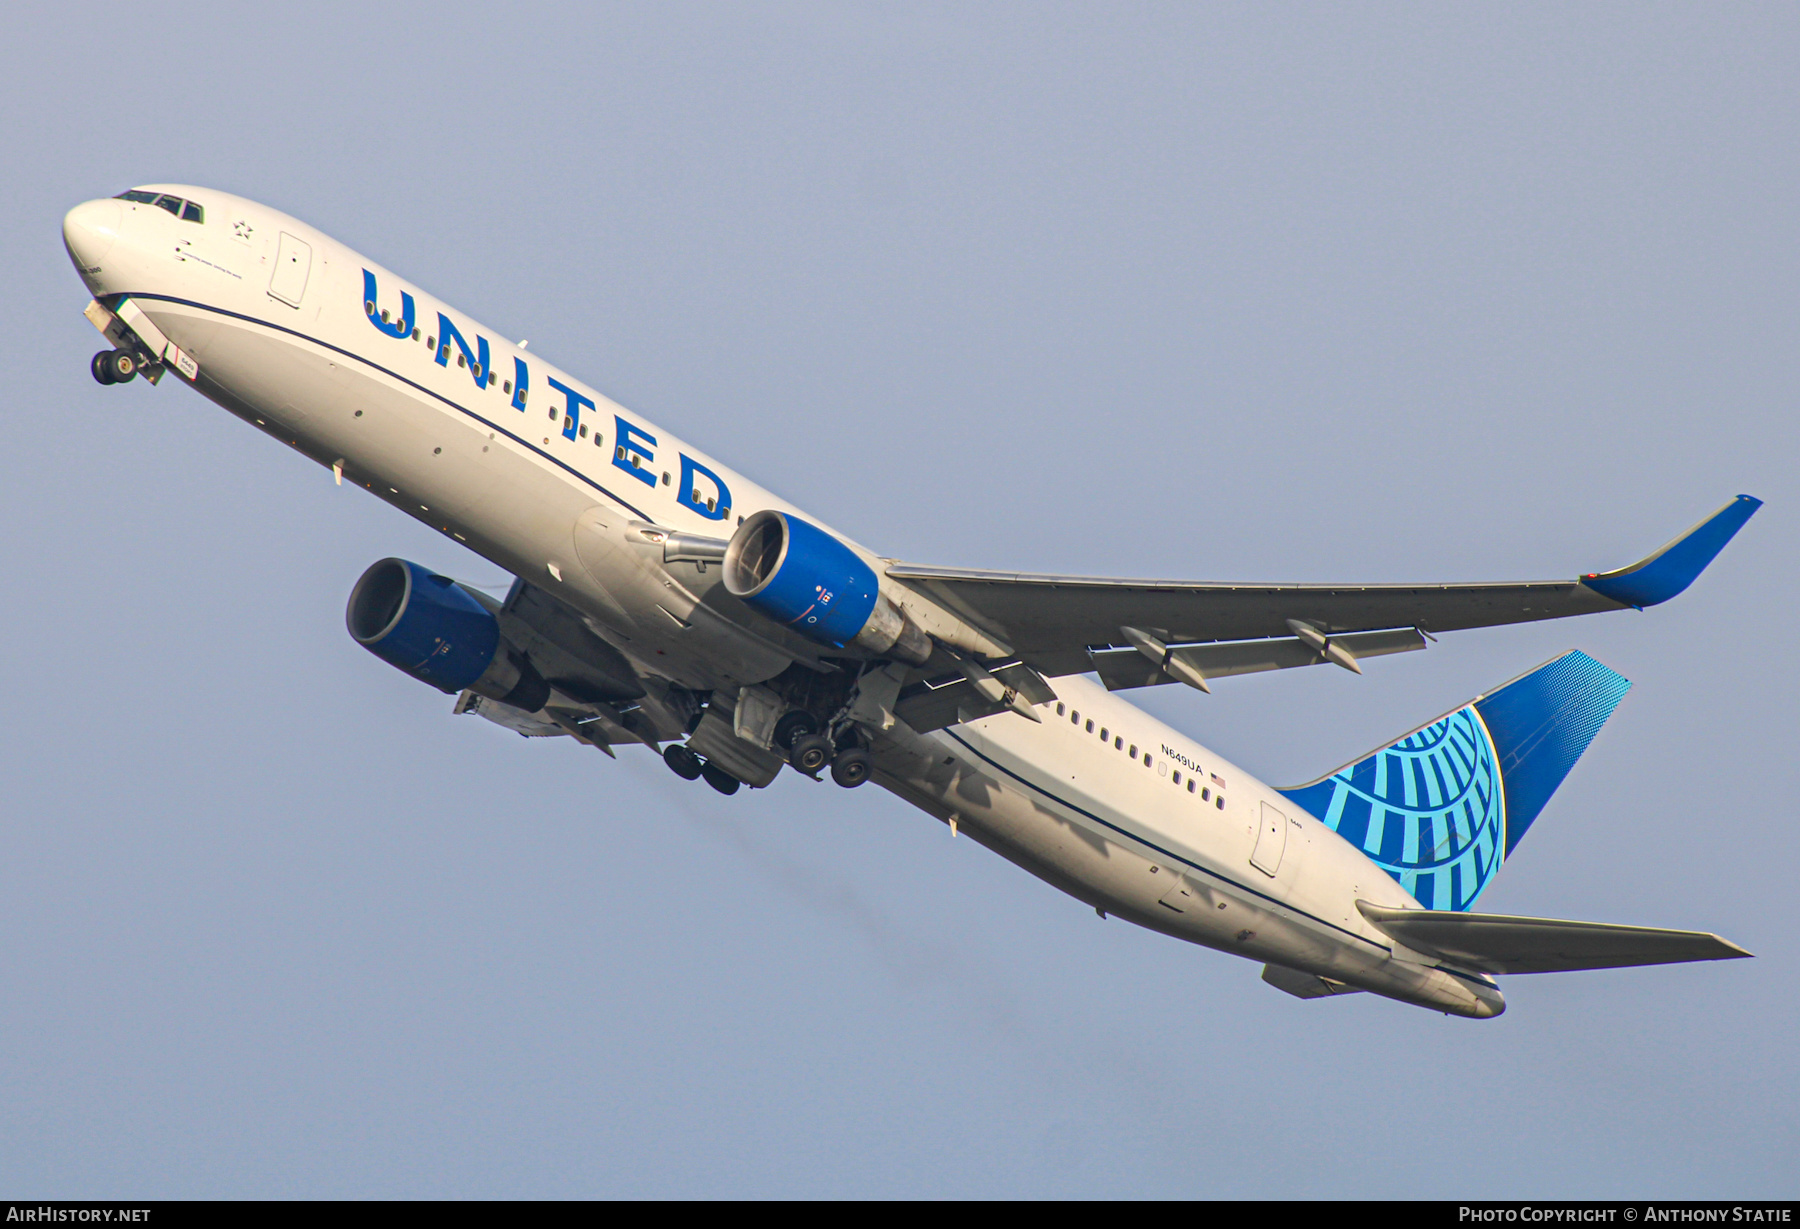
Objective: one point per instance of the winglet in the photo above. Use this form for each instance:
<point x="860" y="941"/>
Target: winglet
<point x="1674" y="567"/>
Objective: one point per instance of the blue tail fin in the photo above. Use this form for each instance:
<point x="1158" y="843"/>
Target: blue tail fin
<point x="1442" y="808"/>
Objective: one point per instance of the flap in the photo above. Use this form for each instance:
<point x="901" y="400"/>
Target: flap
<point x="1123" y="668"/>
<point x="952" y="699"/>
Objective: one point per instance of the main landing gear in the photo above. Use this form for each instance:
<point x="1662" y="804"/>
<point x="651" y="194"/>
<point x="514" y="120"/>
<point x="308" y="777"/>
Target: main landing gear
<point x="809" y="751"/>
<point x="850" y="767"/>
<point x="797" y="734"/>
<point x="685" y="763"/>
<point x="113" y="366"/>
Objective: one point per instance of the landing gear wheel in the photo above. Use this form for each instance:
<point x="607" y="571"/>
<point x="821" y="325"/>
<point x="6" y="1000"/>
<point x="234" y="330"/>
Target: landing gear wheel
<point x="719" y="779"/>
<point x="793" y="726"/>
<point x="101" y="367"/>
<point x="119" y="365"/>
<point x="810" y="753"/>
<point x="683" y="762"/>
<point x="851" y="768"/>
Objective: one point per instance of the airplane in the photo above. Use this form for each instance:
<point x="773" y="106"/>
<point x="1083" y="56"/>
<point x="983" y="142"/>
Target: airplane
<point x="661" y="599"/>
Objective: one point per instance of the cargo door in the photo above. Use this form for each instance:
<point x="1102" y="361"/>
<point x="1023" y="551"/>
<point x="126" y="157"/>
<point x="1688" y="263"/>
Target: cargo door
<point x="1271" y="841"/>
<point x="293" y="262"/>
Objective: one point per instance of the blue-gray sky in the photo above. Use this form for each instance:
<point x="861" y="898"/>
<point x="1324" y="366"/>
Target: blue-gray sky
<point x="1248" y="292"/>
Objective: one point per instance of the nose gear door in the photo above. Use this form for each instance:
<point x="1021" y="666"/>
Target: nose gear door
<point x="293" y="262"/>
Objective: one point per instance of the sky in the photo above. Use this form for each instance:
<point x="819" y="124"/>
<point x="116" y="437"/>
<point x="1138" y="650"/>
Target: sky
<point x="1232" y="292"/>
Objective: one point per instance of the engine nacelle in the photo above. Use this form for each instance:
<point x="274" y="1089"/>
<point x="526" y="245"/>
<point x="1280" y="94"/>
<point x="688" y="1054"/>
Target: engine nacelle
<point x="799" y="575"/>
<point x="438" y="632"/>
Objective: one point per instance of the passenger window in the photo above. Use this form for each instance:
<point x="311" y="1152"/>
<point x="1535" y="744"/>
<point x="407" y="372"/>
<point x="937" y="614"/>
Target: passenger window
<point x="1119" y="743"/>
<point x="1176" y="778"/>
<point x="1090" y="727"/>
<point x="1104" y="733"/>
<point x="384" y="315"/>
<point x="1075" y="718"/>
<point x="1190" y="785"/>
<point x="192" y="213"/>
<point x="461" y="359"/>
<point x="1221" y="802"/>
<point x="1060" y="709"/>
<point x="568" y="423"/>
<point x="506" y="387"/>
<point x="1146" y="759"/>
<point x="1205" y="795"/>
<point x="583" y="430"/>
<point x="416" y="333"/>
<point x="171" y="203"/>
<point x="665" y="478"/>
<point x="431" y="343"/>
<point x="1133" y="751"/>
<point x="599" y="440"/>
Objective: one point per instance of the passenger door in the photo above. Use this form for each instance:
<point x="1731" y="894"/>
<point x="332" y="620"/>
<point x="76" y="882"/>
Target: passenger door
<point x="1271" y="841"/>
<point x="293" y="263"/>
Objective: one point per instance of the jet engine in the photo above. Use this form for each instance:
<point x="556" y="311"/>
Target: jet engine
<point x="798" y="575"/>
<point x="441" y="633"/>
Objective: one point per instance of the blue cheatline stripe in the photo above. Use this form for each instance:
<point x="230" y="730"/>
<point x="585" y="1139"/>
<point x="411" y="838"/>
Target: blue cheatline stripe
<point x="1167" y="853"/>
<point x="628" y="506"/>
<point x="388" y="371"/>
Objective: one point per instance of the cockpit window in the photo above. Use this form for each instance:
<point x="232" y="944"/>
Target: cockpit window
<point x="187" y="211"/>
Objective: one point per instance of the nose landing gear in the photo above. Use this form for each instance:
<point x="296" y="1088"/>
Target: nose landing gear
<point x="113" y="366"/>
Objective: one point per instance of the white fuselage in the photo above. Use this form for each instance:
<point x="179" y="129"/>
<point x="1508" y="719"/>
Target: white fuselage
<point x="1144" y="824"/>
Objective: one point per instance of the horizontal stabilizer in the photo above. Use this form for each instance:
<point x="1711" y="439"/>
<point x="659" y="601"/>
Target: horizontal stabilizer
<point x="1493" y="943"/>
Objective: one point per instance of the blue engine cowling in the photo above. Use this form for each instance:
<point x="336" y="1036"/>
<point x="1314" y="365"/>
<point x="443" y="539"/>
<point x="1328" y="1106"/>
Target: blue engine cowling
<point x="433" y="629"/>
<point x="798" y="575"/>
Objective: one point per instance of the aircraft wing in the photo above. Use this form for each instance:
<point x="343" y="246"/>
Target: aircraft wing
<point x="1066" y="624"/>
<point x="1493" y="943"/>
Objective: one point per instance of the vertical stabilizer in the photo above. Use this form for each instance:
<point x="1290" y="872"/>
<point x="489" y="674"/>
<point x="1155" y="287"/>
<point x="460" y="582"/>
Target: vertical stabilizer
<point x="1443" y="807"/>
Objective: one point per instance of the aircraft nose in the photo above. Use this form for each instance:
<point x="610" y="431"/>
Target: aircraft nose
<point x="90" y="230"/>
